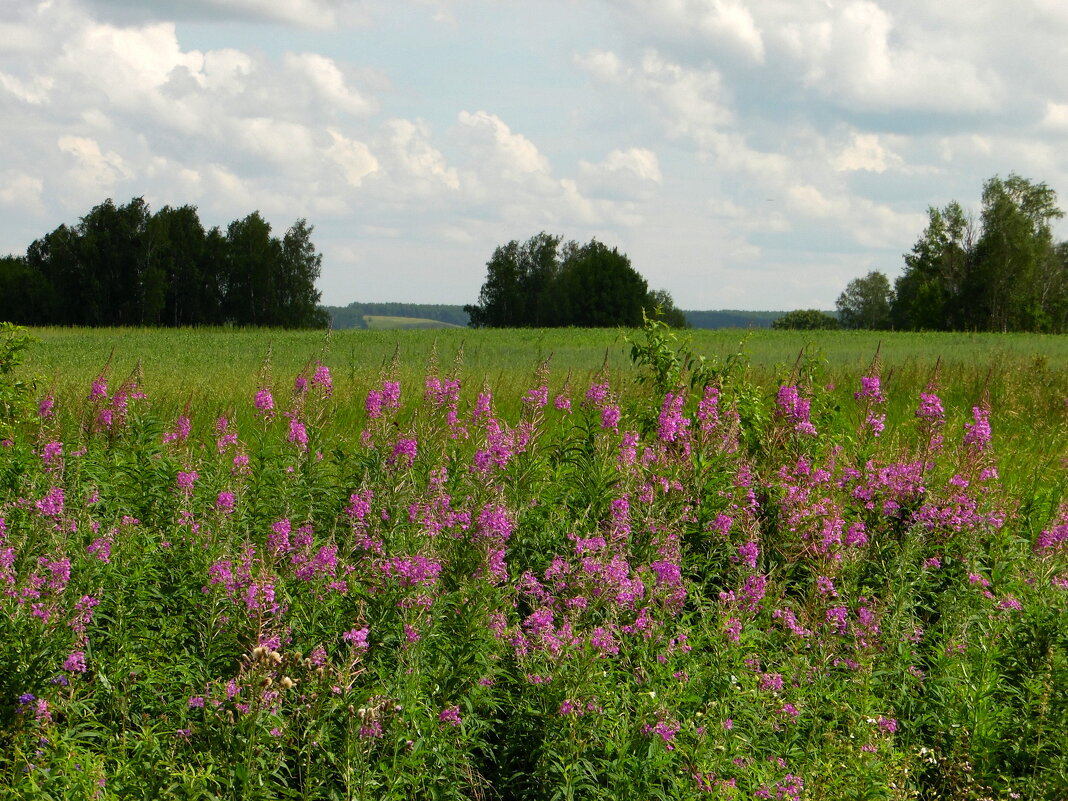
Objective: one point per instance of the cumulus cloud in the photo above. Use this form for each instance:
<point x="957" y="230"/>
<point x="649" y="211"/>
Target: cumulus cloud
<point x="508" y="154"/>
<point x="633" y="173"/>
<point x="321" y="14"/>
<point x="93" y="168"/>
<point x="20" y="190"/>
<point x="726" y="25"/>
<point x="860" y="56"/>
<point x="865" y="151"/>
<point x="418" y="168"/>
<point x="693" y="103"/>
<point x="728" y="146"/>
<point x="353" y="157"/>
<point x="326" y="79"/>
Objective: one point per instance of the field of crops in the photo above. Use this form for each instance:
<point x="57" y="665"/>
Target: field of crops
<point x="533" y="565"/>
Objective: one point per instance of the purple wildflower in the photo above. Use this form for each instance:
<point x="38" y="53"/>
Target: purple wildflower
<point x="75" y="662"/>
<point x="977" y="433"/>
<point x="264" y="403"/>
<point x="358" y="638"/>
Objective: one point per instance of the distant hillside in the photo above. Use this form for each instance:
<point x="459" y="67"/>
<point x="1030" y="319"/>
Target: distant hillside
<point x="377" y="322"/>
<point x="730" y="318"/>
<point x="355" y="315"/>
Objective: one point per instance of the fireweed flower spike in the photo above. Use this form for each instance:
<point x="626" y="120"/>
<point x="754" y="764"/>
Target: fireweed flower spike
<point x="264" y="403"/>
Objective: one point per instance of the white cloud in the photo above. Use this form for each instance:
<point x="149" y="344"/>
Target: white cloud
<point x="866" y="152"/>
<point x="35" y="91"/>
<point x="632" y="173"/>
<point x="1056" y="117"/>
<point x="751" y="153"/>
<point x="727" y="25"/>
<point x="692" y="103"/>
<point x="328" y="81"/>
<point x="21" y="190"/>
<point x="353" y="157"/>
<point x="603" y="65"/>
<point x="93" y="169"/>
<point x="313" y="14"/>
<point x="511" y="155"/>
<point x="418" y="167"/>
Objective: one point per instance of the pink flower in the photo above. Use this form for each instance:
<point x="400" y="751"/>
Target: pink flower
<point x="358" y="638"/>
<point x="225" y="502"/>
<point x="930" y="408"/>
<point x="265" y="402"/>
<point x="404" y="453"/>
<point x="185" y="481"/>
<point x="322" y="379"/>
<point x="977" y="433"/>
<point x="610" y="417"/>
<point x="870" y="389"/>
<point x="182" y="428"/>
<point x="298" y="433"/>
<point x="450" y="715"/>
<point x="75" y="663"/>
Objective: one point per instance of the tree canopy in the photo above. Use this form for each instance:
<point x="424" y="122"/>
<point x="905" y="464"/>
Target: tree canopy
<point x="541" y="283"/>
<point x="866" y="302"/>
<point x="124" y="265"/>
<point x="805" y="320"/>
<point x="1004" y="273"/>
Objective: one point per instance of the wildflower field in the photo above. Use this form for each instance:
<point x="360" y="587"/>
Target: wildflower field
<point x="532" y="565"/>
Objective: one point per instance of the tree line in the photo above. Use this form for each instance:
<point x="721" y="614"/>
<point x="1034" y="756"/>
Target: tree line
<point x="126" y="266"/>
<point x="546" y="283"/>
<point x="352" y="315"/>
<point x="1002" y="272"/>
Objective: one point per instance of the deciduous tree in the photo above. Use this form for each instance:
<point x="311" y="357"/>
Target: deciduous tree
<point x="866" y="302"/>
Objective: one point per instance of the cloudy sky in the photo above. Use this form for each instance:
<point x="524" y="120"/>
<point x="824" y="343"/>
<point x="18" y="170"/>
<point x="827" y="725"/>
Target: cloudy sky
<point x="751" y="154"/>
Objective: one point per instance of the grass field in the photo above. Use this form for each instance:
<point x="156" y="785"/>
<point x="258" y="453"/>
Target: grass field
<point x="517" y="565"/>
<point x="1024" y="376"/>
<point x="216" y="362"/>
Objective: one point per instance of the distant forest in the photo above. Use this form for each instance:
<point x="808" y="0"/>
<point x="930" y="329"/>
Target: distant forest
<point x="352" y="315"/>
<point x="127" y="266"/>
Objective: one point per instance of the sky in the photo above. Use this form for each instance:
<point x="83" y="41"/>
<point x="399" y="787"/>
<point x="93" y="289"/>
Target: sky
<point x="745" y="154"/>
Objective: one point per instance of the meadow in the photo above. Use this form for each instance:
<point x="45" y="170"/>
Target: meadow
<point x="533" y="565"/>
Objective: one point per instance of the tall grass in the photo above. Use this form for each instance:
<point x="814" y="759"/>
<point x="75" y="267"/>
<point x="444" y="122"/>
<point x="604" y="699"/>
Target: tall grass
<point x="401" y="569"/>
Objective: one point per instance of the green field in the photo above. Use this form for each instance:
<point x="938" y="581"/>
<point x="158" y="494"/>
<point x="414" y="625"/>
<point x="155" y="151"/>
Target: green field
<point x="518" y="565"/>
<point x="220" y="362"/>
<point x="1024" y="376"/>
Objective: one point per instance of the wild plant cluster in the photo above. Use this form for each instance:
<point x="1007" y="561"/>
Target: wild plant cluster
<point x="684" y="592"/>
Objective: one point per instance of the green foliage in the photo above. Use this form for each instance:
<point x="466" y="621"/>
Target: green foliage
<point x="15" y="401"/>
<point x="124" y="266"/>
<point x="805" y="320"/>
<point x="720" y="580"/>
<point x="866" y="303"/>
<point x="534" y="284"/>
<point x="661" y="304"/>
<point x="1009" y="275"/>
